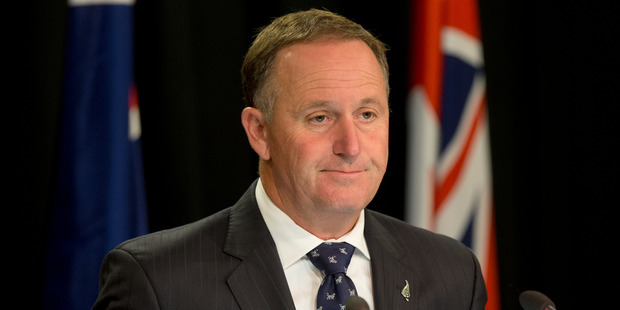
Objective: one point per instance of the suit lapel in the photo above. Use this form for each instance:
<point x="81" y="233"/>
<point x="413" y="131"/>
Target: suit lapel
<point x="389" y="275"/>
<point x="259" y="281"/>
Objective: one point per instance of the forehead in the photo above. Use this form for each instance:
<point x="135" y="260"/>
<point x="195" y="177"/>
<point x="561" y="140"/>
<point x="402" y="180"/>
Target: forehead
<point x="327" y="65"/>
<point x="354" y="54"/>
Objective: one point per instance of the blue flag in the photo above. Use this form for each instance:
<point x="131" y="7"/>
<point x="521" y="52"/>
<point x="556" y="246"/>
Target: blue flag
<point x="100" y="199"/>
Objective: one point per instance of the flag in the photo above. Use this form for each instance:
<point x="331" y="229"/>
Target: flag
<point x="100" y="199"/>
<point x="449" y="164"/>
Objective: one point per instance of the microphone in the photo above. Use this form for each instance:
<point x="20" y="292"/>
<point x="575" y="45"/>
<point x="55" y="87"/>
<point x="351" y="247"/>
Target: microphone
<point x="533" y="300"/>
<point x="356" y="303"/>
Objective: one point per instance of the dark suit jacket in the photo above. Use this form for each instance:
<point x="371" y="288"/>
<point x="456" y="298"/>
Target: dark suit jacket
<point x="229" y="261"/>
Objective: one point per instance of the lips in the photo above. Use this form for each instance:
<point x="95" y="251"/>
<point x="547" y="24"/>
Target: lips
<point x="343" y="171"/>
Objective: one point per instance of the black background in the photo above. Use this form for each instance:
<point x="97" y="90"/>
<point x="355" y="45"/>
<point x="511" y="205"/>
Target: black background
<point x="552" y="77"/>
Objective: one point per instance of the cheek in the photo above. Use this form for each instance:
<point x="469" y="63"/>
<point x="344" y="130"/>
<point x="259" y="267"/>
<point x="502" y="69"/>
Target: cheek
<point x="309" y="151"/>
<point x="378" y="145"/>
<point x="297" y="152"/>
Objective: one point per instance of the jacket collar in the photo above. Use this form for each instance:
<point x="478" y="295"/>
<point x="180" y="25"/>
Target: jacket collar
<point x="259" y="281"/>
<point x="391" y="279"/>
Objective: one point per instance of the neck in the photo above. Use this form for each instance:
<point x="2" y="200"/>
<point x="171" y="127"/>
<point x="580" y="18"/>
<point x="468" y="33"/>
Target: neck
<point x="331" y="227"/>
<point x="323" y="224"/>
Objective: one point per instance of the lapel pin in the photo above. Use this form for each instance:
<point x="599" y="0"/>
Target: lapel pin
<point x="405" y="292"/>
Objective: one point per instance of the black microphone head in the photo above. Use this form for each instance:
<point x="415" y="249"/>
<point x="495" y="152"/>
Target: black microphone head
<point x="356" y="303"/>
<point x="533" y="300"/>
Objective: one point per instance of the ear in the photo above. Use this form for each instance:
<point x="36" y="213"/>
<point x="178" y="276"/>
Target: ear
<point x="253" y="122"/>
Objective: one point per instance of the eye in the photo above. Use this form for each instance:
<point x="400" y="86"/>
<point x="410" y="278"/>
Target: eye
<point x="367" y="115"/>
<point x="318" y="119"/>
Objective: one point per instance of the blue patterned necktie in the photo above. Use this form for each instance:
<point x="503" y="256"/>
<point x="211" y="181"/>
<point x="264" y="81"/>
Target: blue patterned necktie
<point x="332" y="259"/>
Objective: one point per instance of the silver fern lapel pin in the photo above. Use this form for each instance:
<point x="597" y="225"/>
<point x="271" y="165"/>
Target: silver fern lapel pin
<point x="405" y="292"/>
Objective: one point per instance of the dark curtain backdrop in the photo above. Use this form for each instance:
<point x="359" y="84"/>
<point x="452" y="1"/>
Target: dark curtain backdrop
<point x="552" y="78"/>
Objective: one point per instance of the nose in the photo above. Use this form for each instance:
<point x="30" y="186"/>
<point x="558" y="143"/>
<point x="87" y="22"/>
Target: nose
<point x="346" y="139"/>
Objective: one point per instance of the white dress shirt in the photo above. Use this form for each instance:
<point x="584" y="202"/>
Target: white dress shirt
<point x="293" y="242"/>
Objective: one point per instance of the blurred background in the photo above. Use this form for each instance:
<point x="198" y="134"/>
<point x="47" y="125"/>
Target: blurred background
<point x="552" y="82"/>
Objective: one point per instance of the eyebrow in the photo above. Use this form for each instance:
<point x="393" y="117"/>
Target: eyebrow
<point x="371" y="101"/>
<point x="325" y="103"/>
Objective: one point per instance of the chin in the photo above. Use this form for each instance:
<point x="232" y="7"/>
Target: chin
<point x="350" y="197"/>
<point x="345" y="204"/>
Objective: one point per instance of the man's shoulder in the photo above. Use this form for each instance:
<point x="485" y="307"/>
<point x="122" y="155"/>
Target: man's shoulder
<point x="398" y="226"/>
<point x="211" y="229"/>
<point x="417" y="238"/>
<point x="207" y="233"/>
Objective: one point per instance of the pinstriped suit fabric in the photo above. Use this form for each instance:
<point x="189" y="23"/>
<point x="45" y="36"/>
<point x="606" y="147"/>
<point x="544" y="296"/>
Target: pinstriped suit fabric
<point x="229" y="261"/>
<point x="442" y="272"/>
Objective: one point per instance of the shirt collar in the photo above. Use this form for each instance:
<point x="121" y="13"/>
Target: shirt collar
<point x="292" y="241"/>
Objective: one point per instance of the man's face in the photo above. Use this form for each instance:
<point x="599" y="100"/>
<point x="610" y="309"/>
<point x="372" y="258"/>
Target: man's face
<point x="328" y="140"/>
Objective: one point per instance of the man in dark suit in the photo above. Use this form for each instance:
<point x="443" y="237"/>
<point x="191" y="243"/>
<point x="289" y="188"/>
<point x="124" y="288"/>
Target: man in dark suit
<point x="316" y="86"/>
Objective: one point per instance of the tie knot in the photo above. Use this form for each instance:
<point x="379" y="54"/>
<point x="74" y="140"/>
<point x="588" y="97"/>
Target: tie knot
<point x="331" y="257"/>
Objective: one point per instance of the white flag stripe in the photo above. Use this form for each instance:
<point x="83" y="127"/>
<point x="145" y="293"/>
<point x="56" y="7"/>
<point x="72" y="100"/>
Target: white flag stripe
<point x="458" y="43"/>
<point x="483" y="231"/>
<point x="424" y="130"/>
<point x="456" y="210"/>
<point x="135" y="128"/>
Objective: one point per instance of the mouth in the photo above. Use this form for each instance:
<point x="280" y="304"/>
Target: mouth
<point x="343" y="171"/>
